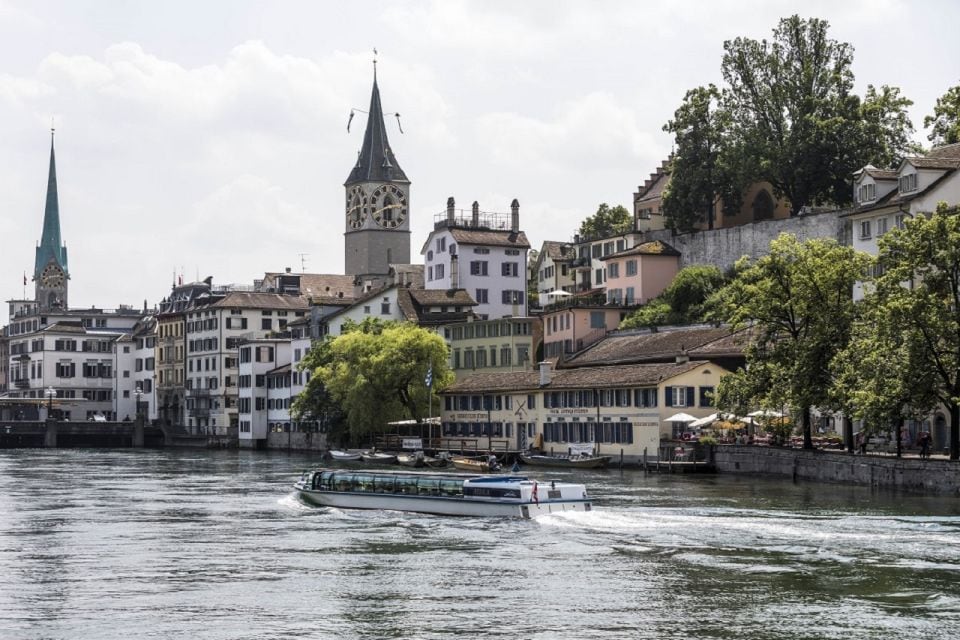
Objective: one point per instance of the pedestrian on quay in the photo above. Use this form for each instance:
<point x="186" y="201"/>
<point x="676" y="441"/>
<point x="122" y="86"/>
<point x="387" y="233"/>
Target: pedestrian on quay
<point x="924" y="441"/>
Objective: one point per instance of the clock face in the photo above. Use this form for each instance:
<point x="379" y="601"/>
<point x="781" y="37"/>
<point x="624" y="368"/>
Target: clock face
<point x="356" y="207"/>
<point x="389" y="206"/>
<point x="51" y="276"/>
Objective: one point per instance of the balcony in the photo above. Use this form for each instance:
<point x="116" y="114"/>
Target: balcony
<point x="21" y="383"/>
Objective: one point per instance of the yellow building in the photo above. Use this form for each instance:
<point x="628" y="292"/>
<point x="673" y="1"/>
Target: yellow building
<point x="611" y="410"/>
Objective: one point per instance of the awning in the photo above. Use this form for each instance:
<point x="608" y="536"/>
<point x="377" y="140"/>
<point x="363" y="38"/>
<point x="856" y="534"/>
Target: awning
<point x="680" y="417"/>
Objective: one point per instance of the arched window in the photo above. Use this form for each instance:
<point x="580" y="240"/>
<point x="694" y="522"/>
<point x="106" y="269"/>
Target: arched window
<point x="763" y="205"/>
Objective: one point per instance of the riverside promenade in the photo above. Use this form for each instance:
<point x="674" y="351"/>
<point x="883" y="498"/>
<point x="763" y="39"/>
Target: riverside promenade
<point x="935" y="475"/>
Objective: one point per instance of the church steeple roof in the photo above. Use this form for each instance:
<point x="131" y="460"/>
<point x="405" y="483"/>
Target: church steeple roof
<point x="376" y="162"/>
<point x="51" y="245"/>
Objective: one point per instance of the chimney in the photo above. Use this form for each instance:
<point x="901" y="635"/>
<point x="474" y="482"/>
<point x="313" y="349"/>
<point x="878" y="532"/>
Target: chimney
<point x="475" y="214"/>
<point x="544" y="373"/>
<point x="454" y="272"/>
<point x="288" y="269"/>
<point x="515" y="216"/>
<point x="451" y="210"/>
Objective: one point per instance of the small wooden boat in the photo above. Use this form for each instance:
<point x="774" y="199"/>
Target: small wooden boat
<point x="343" y="456"/>
<point x="378" y="458"/>
<point x="476" y="465"/>
<point x="440" y="493"/>
<point x="574" y="462"/>
<point x="412" y="459"/>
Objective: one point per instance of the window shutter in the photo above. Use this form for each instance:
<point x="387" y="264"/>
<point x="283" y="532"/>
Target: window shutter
<point x="668" y="396"/>
<point x="691" y="399"/>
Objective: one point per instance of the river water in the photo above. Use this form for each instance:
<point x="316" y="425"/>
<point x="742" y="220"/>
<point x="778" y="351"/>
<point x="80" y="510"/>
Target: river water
<point x="188" y="544"/>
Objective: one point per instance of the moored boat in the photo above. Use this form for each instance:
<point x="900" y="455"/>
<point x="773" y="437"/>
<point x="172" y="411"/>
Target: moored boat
<point x="378" y="458"/>
<point x="576" y="462"/>
<point x="343" y="456"/>
<point x="412" y="459"/>
<point x="440" y="493"/>
<point x="476" y="465"/>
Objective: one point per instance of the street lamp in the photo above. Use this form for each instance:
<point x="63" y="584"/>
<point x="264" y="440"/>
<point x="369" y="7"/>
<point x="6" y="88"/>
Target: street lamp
<point x="50" y="394"/>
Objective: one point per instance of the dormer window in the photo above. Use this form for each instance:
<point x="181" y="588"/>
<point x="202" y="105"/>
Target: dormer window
<point x="908" y="183"/>
<point x="868" y="192"/>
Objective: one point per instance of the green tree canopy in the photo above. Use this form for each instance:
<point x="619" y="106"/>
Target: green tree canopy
<point x="918" y="292"/>
<point x="698" y="173"/>
<point x="375" y="373"/>
<point x="683" y="302"/>
<point x="607" y="221"/>
<point x="945" y="121"/>
<point x="798" y="299"/>
<point x="787" y="116"/>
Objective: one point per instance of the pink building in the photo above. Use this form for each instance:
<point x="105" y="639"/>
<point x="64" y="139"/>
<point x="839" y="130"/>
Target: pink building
<point x="573" y="328"/>
<point x="637" y="275"/>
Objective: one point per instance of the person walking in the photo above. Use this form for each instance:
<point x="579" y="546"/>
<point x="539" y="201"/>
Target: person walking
<point x="924" y="441"/>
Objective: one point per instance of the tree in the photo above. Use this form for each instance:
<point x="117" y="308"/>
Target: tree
<point x="798" y="299"/>
<point x="684" y="301"/>
<point x="375" y="373"/>
<point x="925" y="255"/>
<point x="886" y="128"/>
<point x="697" y="171"/>
<point x="792" y="110"/>
<point x="879" y="378"/>
<point x="945" y="119"/>
<point x="607" y="221"/>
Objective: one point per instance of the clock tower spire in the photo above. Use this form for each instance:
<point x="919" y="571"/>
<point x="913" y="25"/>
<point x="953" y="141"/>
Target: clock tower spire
<point x="377" y="229"/>
<point x="50" y="273"/>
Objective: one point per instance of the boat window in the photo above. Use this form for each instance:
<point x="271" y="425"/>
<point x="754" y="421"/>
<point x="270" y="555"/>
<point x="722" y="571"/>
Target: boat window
<point x="343" y="481"/>
<point x="363" y="482"/>
<point x="406" y="484"/>
<point x="429" y="486"/>
<point x="451" y="487"/>
<point x="384" y="484"/>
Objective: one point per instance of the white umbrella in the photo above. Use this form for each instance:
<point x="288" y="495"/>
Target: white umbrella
<point x="702" y="422"/>
<point x="557" y="292"/>
<point x="765" y="413"/>
<point x="680" y="417"/>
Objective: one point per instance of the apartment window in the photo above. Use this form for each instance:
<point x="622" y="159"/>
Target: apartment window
<point x="679" y="396"/>
<point x="265" y="324"/>
<point x="645" y="398"/>
<point x="509" y="269"/>
<point x="865" y="229"/>
<point x="482" y="296"/>
<point x="385" y="308"/>
<point x="908" y="182"/>
<point x="481" y="250"/>
<point x="706" y="396"/>
<point x="439" y="271"/>
<point x="478" y="268"/>
<point x="430" y="255"/>
<point x="441" y="245"/>
<point x="868" y="192"/>
<point x="881" y="226"/>
<point x="429" y="273"/>
<point x="900" y="220"/>
<point x="513" y="297"/>
<point x="613" y="270"/>
<point x="598" y="320"/>
<point x="631" y="267"/>
<point x="599" y="276"/>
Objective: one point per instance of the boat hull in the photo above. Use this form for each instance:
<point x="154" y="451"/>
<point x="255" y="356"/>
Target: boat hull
<point x="343" y="456"/>
<point x="438" y="505"/>
<point x="595" y="462"/>
<point x="468" y="464"/>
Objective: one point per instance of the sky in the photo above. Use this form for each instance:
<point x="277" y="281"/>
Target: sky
<point x="209" y="138"/>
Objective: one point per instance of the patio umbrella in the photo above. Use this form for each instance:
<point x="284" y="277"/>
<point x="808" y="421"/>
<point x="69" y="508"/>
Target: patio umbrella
<point x="680" y="417"/>
<point x="703" y="422"/>
<point x="557" y="293"/>
<point x="765" y="413"/>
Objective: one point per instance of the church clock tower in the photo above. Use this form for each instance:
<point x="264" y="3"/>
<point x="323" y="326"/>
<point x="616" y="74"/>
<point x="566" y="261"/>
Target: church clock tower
<point x="377" y="224"/>
<point x="50" y="273"/>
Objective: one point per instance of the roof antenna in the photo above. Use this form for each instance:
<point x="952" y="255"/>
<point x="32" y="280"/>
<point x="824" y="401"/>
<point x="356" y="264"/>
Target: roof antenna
<point x="303" y="262"/>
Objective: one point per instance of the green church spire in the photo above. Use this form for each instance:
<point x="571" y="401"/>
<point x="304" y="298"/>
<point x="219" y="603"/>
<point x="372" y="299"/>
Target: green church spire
<point x="51" y="246"/>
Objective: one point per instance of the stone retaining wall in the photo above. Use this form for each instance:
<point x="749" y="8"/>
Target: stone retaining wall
<point x="297" y="441"/>
<point x="723" y="247"/>
<point x="908" y="474"/>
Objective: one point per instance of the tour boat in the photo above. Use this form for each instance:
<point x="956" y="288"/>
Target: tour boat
<point x="450" y="494"/>
<point x="576" y="462"/>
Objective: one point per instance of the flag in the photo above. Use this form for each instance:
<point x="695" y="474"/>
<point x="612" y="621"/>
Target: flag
<point x="24" y="278"/>
<point x="429" y="379"/>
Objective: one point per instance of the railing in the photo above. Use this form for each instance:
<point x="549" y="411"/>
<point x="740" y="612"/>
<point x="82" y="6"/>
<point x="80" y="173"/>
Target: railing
<point x="567" y="302"/>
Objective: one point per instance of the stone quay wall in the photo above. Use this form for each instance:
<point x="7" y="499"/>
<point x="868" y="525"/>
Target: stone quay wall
<point x="297" y="441"/>
<point x="906" y="474"/>
<point x="723" y="247"/>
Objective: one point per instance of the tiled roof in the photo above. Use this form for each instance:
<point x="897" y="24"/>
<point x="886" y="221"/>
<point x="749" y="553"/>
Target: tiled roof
<point x="443" y="297"/>
<point x="653" y="187"/>
<point x="582" y="378"/>
<point x="652" y="346"/>
<point x="376" y="162"/>
<point x="652" y="248"/>
<point x="934" y="163"/>
<point x="881" y="174"/>
<point x="945" y="151"/>
<point x="249" y="300"/>
<point x="490" y="237"/>
<point x="558" y="250"/>
<point x="320" y="286"/>
<point x="281" y="369"/>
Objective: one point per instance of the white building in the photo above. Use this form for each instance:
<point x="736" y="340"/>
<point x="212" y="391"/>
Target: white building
<point x="883" y="199"/>
<point x="485" y="254"/>
<point x="135" y="370"/>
